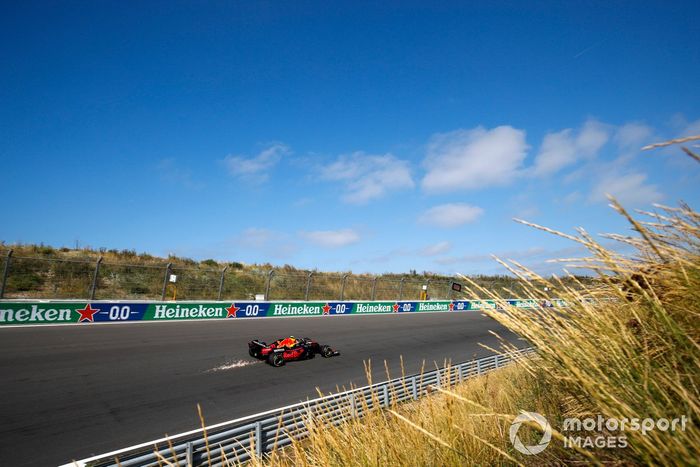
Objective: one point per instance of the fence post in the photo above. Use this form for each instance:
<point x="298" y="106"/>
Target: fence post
<point x="165" y="281"/>
<point x="189" y="455"/>
<point x="258" y="439"/>
<point x="449" y="289"/>
<point x="427" y="288"/>
<point x="401" y="288"/>
<point x="478" y="367"/>
<point x="385" y="390"/>
<point x="374" y="288"/>
<point x="221" y="283"/>
<point x="5" y="273"/>
<point x="269" y="282"/>
<point x="342" y="287"/>
<point x="93" y="287"/>
<point x="496" y="361"/>
<point x="353" y="405"/>
<point x="308" y="286"/>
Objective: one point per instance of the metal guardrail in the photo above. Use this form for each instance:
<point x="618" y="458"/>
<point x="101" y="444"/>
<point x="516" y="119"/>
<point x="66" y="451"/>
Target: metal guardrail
<point x="238" y="440"/>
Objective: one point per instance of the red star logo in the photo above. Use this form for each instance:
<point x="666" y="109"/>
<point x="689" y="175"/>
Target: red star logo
<point x="87" y="313"/>
<point x="326" y="309"/>
<point x="232" y="311"/>
<point x="396" y="307"/>
<point x="452" y="306"/>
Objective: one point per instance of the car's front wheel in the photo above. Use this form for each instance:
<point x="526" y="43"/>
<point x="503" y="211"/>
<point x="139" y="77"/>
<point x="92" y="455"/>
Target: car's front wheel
<point x="326" y="351"/>
<point x="275" y="359"/>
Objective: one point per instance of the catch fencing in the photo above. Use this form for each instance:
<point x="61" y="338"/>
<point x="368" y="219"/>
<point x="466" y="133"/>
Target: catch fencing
<point x="237" y="441"/>
<point x="59" y="278"/>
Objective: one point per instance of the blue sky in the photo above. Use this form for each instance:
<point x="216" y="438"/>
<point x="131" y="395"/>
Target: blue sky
<point x="363" y="136"/>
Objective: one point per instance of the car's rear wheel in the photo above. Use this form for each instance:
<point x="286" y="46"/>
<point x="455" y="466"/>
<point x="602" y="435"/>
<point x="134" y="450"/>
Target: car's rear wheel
<point x="275" y="359"/>
<point x="326" y="351"/>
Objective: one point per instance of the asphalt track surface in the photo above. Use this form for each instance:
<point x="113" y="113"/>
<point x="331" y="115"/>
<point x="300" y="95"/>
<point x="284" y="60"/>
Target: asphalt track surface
<point x="70" y="392"/>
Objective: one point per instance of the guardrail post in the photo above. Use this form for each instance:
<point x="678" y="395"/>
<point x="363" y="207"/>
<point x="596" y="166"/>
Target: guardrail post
<point x="93" y="287"/>
<point x="342" y="287"/>
<point x="353" y="405"/>
<point x="385" y="391"/>
<point x="189" y="455"/>
<point x="258" y="439"/>
<point x="5" y="272"/>
<point x="308" y="286"/>
<point x="401" y="288"/>
<point x="269" y="282"/>
<point x="165" y="281"/>
<point x="221" y="283"/>
<point x="460" y="372"/>
<point x="414" y="388"/>
<point x="478" y="367"/>
<point x="496" y="361"/>
<point x="374" y="288"/>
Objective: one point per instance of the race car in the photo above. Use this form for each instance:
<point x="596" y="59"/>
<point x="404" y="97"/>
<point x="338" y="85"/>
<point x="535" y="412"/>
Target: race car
<point x="288" y="349"/>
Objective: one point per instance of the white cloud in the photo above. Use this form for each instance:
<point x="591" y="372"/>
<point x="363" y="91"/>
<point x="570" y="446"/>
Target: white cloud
<point x="564" y="148"/>
<point x="451" y="215"/>
<point x="472" y="159"/>
<point x="436" y="249"/>
<point x="592" y="137"/>
<point x="628" y="189"/>
<point x="256" y="166"/>
<point x="632" y="136"/>
<point x="331" y="238"/>
<point x="368" y="176"/>
<point x="557" y="151"/>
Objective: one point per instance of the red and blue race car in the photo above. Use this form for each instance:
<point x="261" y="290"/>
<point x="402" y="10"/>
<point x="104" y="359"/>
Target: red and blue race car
<point x="288" y="349"/>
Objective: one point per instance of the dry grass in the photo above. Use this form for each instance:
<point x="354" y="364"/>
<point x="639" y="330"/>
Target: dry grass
<point x="634" y="350"/>
<point x="447" y="428"/>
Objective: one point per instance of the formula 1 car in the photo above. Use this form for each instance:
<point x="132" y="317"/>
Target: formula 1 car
<point x="288" y="349"/>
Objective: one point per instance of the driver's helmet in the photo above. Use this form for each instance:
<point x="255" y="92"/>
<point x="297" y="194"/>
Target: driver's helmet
<point x="289" y="342"/>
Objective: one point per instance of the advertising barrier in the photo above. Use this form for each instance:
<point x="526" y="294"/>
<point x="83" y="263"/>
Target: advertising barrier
<point x="64" y="312"/>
